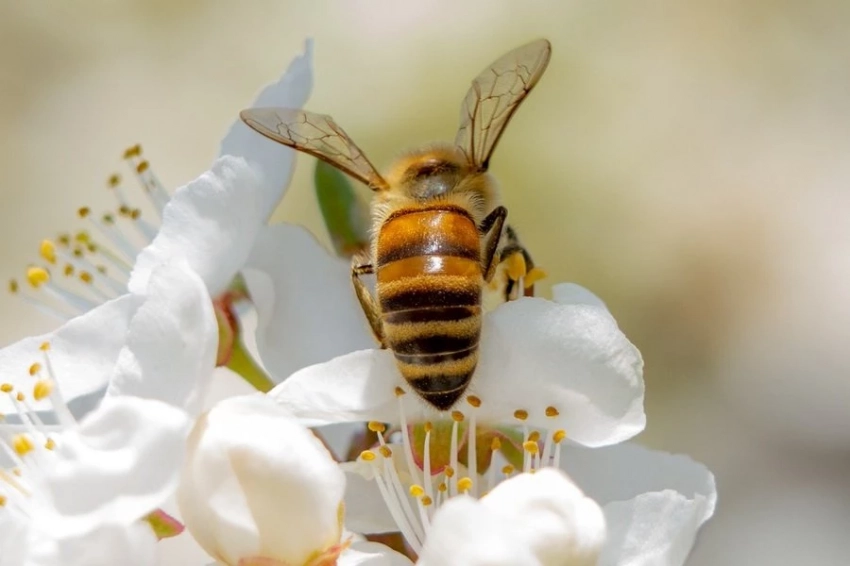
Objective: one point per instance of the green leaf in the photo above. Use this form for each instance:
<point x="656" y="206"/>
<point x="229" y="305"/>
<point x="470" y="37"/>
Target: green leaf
<point x="346" y="215"/>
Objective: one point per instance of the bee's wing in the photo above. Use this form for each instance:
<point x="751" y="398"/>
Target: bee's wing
<point x="317" y="135"/>
<point x="494" y="97"/>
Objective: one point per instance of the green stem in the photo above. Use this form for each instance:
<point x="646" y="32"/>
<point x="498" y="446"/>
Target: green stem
<point x="243" y="364"/>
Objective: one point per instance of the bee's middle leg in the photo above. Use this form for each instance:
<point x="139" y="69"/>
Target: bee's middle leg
<point x="359" y="267"/>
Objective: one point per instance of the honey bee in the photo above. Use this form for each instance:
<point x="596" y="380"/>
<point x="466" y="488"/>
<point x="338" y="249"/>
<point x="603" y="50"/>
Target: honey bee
<point x="438" y="231"/>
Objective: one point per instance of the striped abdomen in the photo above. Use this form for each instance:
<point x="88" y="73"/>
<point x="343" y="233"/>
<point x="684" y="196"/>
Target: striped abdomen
<point x="429" y="291"/>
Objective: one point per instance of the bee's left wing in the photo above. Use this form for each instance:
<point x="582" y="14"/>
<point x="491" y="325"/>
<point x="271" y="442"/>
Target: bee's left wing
<point x="494" y="97"/>
<point x="317" y="135"/>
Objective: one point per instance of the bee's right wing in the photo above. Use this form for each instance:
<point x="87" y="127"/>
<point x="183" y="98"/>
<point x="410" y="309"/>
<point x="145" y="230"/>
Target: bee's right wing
<point x="317" y="135"/>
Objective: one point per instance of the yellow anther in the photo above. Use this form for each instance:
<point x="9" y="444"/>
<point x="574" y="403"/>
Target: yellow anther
<point x="83" y="211"/>
<point x="13" y="286"/>
<point x="457" y="416"/>
<point x="69" y="270"/>
<point x="47" y="250"/>
<point x="50" y="444"/>
<point x="78" y="252"/>
<point x="82" y="237"/>
<point x="521" y="414"/>
<point x="442" y="487"/>
<point x="552" y="412"/>
<point x="142" y="167"/>
<point x="42" y="389"/>
<point x="64" y="239"/>
<point x="375" y="426"/>
<point x="516" y="267"/>
<point x="367" y="455"/>
<point x="464" y="485"/>
<point x="35" y="368"/>
<point x="530" y="447"/>
<point x="20" y="396"/>
<point x="92" y="248"/>
<point x="124" y="210"/>
<point x="134" y="151"/>
<point x="2" y="501"/>
<point x="495" y="444"/>
<point x="534" y="436"/>
<point x="86" y="277"/>
<point x="399" y="391"/>
<point x="385" y="451"/>
<point x="449" y="471"/>
<point x="114" y="180"/>
<point x="559" y="436"/>
<point x="533" y="276"/>
<point x="428" y="426"/>
<point x="417" y="491"/>
<point x="426" y="501"/>
<point x="508" y="470"/>
<point x="135" y="213"/>
<point x="6" y="388"/>
<point x="37" y="276"/>
<point x="21" y="444"/>
<point x="474" y="401"/>
<point x="44" y="346"/>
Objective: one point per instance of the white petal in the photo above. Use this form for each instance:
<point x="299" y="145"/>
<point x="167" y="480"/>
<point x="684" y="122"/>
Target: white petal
<point x="536" y="354"/>
<point x="371" y="554"/>
<point x="256" y="483"/>
<point x="365" y="510"/>
<point x="308" y="312"/>
<point x="133" y="545"/>
<point x="654" y="502"/>
<point x="82" y="353"/>
<point x="211" y="223"/>
<point x="171" y="344"/>
<point x="120" y="464"/>
<point x="273" y="159"/>
<point x="572" y="294"/>
<point x="539" y="519"/>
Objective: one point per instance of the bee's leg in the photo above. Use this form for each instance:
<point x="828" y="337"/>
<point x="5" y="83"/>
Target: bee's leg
<point x="491" y="229"/>
<point x="519" y="265"/>
<point x="359" y="267"/>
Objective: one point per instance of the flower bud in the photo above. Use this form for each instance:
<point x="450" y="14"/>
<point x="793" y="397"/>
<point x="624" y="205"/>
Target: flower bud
<point x="258" y="486"/>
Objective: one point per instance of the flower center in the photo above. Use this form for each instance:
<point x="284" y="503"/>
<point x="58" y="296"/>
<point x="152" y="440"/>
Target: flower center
<point x="80" y="271"/>
<point x="415" y="478"/>
<point x="27" y="442"/>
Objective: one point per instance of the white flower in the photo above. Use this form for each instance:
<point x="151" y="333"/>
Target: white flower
<point x="258" y="488"/>
<point x="539" y="519"/>
<point x="79" y="494"/>
<point x="210" y="223"/>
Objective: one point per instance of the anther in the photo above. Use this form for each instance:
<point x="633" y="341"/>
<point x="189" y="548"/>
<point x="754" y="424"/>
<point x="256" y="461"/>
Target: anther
<point x="426" y="501"/>
<point x="22" y="445"/>
<point x="37" y="276"/>
<point x="6" y="388"/>
<point x="367" y="456"/>
<point x="552" y="412"/>
<point x="114" y="180"/>
<point x="521" y="414"/>
<point x="142" y="167"/>
<point x="534" y="436"/>
<point x="69" y="270"/>
<point x="449" y="471"/>
<point x="47" y="251"/>
<point x="2" y="500"/>
<point x="83" y="211"/>
<point x="495" y="444"/>
<point x="399" y="391"/>
<point x="442" y="487"/>
<point x="417" y="491"/>
<point x="44" y="346"/>
<point x="42" y="389"/>
<point x="35" y="368"/>
<point x="559" y="436"/>
<point x="533" y="276"/>
<point x="474" y="401"/>
<point x="385" y="451"/>
<point x="464" y="485"/>
<point x="375" y="426"/>
<point x="135" y="213"/>
<point x="530" y="447"/>
<point x="86" y="277"/>
<point x="457" y="416"/>
<point x="50" y="444"/>
<point x="428" y="426"/>
<point x="133" y="151"/>
<point x="20" y="396"/>
<point x="508" y="470"/>
<point x="13" y="286"/>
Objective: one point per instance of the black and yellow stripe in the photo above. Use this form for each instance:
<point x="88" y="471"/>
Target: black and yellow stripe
<point x="429" y="292"/>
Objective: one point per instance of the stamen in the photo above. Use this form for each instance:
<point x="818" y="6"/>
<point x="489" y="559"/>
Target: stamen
<point x="375" y="426"/>
<point x="43" y="388"/>
<point x="552" y="412"/>
<point x="456" y="419"/>
<point x="464" y="484"/>
<point x="22" y="444"/>
<point x="47" y="251"/>
<point x="508" y="470"/>
<point x="557" y="438"/>
<point x="471" y="443"/>
<point x="153" y="188"/>
<point x="426" y="459"/>
<point x="405" y="441"/>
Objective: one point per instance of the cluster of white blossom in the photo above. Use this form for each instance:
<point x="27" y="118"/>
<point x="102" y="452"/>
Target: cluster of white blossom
<point x="532" y="467"/>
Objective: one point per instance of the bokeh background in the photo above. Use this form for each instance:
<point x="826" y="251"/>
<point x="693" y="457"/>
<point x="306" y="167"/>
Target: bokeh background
<point x="687" y="161"/>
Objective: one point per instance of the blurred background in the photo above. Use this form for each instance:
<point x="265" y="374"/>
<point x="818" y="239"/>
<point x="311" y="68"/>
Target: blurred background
<point x="688" y="162"/>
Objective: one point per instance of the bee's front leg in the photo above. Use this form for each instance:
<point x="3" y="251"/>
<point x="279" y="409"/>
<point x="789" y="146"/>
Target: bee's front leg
<point x="362" y="266"/>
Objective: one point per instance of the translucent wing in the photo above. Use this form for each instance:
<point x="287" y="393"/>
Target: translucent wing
<point x="317" y="135"/>
<point x="494" y="97"/>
